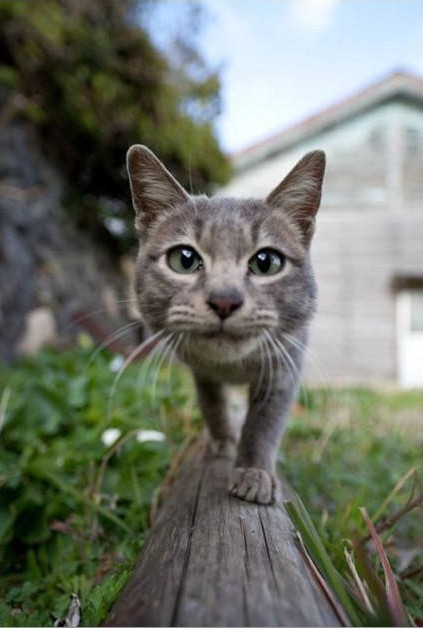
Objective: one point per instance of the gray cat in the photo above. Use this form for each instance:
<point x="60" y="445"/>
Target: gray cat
<point x="228" y="285"/>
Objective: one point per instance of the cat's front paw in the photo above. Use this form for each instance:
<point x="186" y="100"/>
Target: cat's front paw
<point x="253" y="485"/>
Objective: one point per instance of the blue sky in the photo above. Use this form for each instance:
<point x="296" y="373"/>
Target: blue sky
<point x="283" y="60"/>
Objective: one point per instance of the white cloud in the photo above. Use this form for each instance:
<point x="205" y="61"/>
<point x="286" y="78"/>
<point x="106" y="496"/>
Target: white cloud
<point x="313" y="15"/>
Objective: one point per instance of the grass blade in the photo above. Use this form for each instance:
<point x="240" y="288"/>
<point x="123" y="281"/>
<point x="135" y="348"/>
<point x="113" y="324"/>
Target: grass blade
<point x="79" y="496"/>
<point x="393" y="597"/>
<point x="398" y="486"/>
<point x="303" y="523"/>
<point x="339" y="610"/>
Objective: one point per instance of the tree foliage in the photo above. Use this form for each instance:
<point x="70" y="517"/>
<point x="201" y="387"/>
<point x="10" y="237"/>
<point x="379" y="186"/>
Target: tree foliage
<point x="90" y="77"/>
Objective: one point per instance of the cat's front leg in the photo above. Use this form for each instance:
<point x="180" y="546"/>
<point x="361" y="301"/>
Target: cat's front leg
<point x="213" y="406"/>
<point x="254" y="478"/>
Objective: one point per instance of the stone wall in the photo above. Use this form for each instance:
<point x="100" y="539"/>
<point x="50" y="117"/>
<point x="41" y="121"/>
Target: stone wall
<point x="54" y="280"/>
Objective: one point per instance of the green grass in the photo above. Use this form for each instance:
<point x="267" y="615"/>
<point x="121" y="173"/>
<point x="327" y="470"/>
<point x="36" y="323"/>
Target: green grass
<point x="74" y="512"/>
<point x="357" y="448"/>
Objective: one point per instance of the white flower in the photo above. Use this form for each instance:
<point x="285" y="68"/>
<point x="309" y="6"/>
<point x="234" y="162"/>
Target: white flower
<point x="117" y="363"/>
<point x="110" y="436"/>
<point x="150" y="435"/>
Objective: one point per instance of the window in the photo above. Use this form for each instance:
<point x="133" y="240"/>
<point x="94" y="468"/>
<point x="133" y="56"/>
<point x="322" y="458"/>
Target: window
<point x="412" y="140"/>
<point x="376" y="139"/>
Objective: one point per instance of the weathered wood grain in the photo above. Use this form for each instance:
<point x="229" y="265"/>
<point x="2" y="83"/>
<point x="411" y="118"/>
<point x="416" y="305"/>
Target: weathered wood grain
<point x="213" y="560"/>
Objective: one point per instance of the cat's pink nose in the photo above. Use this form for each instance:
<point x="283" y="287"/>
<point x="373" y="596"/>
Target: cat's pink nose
<point x="225" y="303"/>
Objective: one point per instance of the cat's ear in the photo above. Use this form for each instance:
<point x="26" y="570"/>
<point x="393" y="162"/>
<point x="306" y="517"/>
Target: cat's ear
<point x="153" y="188"/>
<point x="300" y="192"/>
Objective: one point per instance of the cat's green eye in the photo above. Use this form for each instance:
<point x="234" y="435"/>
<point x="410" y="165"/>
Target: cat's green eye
<point x="266" y="262"/>
<point x="184" y="260"/>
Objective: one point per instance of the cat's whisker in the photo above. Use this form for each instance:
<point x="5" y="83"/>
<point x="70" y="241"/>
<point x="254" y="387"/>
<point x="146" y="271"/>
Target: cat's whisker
<point x="262" y="364"/>
<point x="283" y="357"/>
<point x="293" y="367"/>
<point x="271" y="369"/>
<point x="77" y="319"/>
<point x="297" y="345"/>
<point x="116" y="335"/>
<point x="271" y="373"/>
<point x="152" y="366"/>
<point x="149" y="366"/>
<point x="297" y="376"/>
<point x="170" y="349"/>
<point x="263" y="358"/>
<point x="300" y="346"/>
<point x="310" y="354"/>
<point x="295" y="371"/>
<point x="179" y="340"/>
<point x="167" y="351"/>
<point x="296" y="342"/>
<point x="152" y="340"/>
<point x="184" y="348"/>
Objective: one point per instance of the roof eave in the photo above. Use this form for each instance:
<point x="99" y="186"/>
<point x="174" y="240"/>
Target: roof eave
<point x="397" y="87"/>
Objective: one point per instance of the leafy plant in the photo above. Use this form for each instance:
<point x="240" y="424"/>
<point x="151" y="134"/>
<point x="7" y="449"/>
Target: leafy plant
<point x="73" y="508"/>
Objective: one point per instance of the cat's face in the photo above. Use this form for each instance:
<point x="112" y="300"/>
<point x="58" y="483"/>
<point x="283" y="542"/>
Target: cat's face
<point x="224" y="272"/>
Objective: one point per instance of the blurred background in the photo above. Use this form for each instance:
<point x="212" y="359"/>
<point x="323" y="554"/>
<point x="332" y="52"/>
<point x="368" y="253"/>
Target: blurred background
<point x="229" y="95"/>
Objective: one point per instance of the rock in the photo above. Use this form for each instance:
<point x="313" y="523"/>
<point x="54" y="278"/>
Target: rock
<point x="46" y="263"/>
<point x="40" y="331"/>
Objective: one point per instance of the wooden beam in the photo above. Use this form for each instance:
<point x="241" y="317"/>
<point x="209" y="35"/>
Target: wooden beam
<point x="213" y="560"/>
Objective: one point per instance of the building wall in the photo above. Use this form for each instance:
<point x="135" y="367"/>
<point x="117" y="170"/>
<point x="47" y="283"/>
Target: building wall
<point x="353" y="335"/>
<point x="369" y="230"/>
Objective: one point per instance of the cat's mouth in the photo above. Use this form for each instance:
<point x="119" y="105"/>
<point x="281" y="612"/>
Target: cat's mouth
<point x="222" y="340"/>
<point x="223" y="334"/>
<point x="220" y="345"/>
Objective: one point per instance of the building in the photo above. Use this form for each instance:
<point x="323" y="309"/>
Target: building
<point x="368" y="247"/>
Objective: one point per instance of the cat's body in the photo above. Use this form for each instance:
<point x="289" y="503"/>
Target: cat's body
<point x="227" y="284"/>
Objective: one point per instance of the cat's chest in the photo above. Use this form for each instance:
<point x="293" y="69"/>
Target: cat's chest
<point x="240" y="372"/>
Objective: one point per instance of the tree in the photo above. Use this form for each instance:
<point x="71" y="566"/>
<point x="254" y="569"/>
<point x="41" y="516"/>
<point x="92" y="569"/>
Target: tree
<point x="90" y="78"/>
